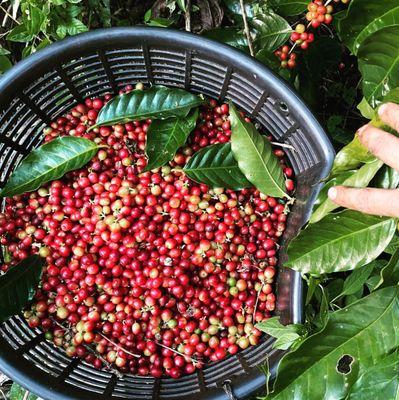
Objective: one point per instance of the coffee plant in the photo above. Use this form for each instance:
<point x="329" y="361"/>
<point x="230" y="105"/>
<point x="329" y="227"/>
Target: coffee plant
<point x="342" y="57"/>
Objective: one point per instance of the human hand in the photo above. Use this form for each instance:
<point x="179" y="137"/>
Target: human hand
<point x="386" y="147"/>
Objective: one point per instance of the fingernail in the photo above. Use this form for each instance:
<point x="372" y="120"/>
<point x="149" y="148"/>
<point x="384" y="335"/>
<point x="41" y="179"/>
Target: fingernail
<point x="332" y="193"/>
<point x="382" y="109"/>
<point x="361" y="130"/>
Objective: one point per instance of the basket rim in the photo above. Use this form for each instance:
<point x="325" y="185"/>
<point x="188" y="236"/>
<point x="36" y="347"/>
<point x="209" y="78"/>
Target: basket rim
<point x="100" y="39"/>
<point x="11" y="83"/>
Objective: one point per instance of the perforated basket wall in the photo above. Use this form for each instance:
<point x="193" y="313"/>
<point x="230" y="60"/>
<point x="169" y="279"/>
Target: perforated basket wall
<point x="50" y="82"/>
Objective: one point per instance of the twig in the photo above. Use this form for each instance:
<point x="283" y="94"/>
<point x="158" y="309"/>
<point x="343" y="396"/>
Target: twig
<point x="117" y="346"/>
<point x="335" y="306"/>
<point x="3" y="24"/>
<point x="91" y="350"/>
<point x="4" y="34"/>
<point x="256" y="302"/>
<point x="65" y="328"/>
<point x="329" y="30"/>
<point x="8" y="15"/>
<point x="293" y="47"/>
<point x="287" y="146"/>
<point x="187" y="16"/>
<point x="193" y="360"/>
<point x="103" y="360"/>
<point x="268" y="375"/>
<point x="15" y="7"/>
<point x="4" y="397"/>
<point x="246" y="29"/>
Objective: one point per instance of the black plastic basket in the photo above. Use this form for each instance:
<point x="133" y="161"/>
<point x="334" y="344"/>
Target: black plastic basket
<point x="50" y="82"/>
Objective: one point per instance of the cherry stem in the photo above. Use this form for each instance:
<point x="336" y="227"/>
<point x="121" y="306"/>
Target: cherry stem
<point x="117" y="346"/>
<point x="103" y="360"/>
<point x="285" y="145"/>
<point x="61" y="326"/>
<point x="103" y="336"/>
<point x="293" y="47"/>
<point x="256" y="302"/>
<point x="194" y="361"/>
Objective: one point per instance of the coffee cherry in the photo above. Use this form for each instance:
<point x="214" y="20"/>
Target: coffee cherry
<point x="148" y="263"/>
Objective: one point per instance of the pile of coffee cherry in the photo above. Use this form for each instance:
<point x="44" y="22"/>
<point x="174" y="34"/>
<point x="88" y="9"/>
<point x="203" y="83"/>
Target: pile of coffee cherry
<point x="148" y="273"/>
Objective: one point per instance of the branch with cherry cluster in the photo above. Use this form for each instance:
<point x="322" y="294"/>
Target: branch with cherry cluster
<point x="318" y="13"/>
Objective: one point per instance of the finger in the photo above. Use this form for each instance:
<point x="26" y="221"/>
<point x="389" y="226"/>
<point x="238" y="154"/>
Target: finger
<point x="389" y="114"/>
<point x="382" y="202"/>
<point x="382" y="144"/>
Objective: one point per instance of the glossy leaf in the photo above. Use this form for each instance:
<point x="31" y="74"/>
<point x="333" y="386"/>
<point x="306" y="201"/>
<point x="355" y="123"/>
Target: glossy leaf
<point x="233" y="8"/>
<point x="287" y="8"/>
<point x="286" y="335"/>
<point x="337" y="132"/>
<point x="5" y="64"/>
<point x="351" y="156"/>
<point x="3" y="51"/>
<point x="321" y="318"/>
<point x="268" y="58"/>
<point x="356" y="280"/>
<point x="390" y="273"/>
<point x="392" y="96"/>
<point x="103" y="12"/>
<point x="160" y="22"/>
<point x="352" y="298"/>
<point x="165" y="137"/>
<point x="364" y="331"/>
<point x="387" y="178"/>
<point x="157" y="102"/>
<point x="216" y="166"/>
<point x="334" y="288"/>
<point x="365" y="17"/>
<point x="373" y="281"/>
<point x="17" y="392"/>
<point x="228" y="35"/>
<point x="338" y="16"/>
<point x="20" y="34"/>
<point x="366" y="110"/>
<point x="340" y="242"/>
<point x="255" y="156"/>
<point x="379" y="64"/>
<point x="359" y="179"/>
<point x="380" y="381"/>
<point x="18" y="286"/>
<point x="271" y="30"/>
<point x="35" y="20"/>
<point x="393" y="245"/>
<point x="49" y="162"/>
<point x="182" y="4"/>
<point x="312" y="283"/>
<point x="335" y="181"/>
